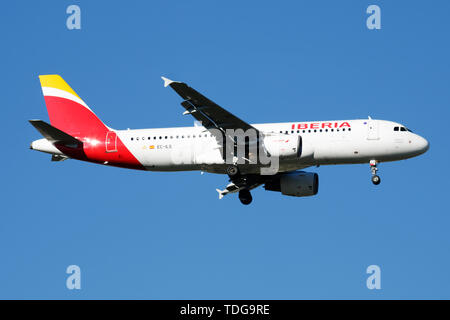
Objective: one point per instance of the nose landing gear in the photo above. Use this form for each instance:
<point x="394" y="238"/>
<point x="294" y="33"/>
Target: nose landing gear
<point x="373" y="168"/>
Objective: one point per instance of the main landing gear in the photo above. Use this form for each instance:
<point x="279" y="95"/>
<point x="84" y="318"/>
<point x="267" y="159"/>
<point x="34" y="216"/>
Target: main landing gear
<point x="373" y="168"/>
<point x="232" y="171"/>
<point x="245" y="196"/>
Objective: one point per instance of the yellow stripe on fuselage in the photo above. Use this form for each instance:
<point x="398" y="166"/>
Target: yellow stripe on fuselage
<point x="55" y="81"/>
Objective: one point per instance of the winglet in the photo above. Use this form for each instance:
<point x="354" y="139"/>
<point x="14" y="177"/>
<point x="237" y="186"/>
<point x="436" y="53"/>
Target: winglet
<point x="220" y="193"/>
<point x="166" y="81"/>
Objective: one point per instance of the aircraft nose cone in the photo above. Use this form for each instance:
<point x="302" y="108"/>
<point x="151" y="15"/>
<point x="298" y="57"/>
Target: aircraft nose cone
<point x="422" y="145"/>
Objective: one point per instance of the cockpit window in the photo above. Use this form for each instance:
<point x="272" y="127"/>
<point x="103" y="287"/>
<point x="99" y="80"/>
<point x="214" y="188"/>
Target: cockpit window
<point x="401" y="129"/>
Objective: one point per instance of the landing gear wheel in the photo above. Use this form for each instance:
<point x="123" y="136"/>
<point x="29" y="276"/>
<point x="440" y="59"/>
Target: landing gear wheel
<point x="376" y="180"/>
<point x="245" y="196"/>
<point x="232" y="171"/>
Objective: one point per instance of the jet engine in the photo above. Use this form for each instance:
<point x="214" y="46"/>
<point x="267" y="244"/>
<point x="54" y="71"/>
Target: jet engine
<point x="283" y="146"/>
<point x="287" y="147"/>
<point x="296" y="184"/>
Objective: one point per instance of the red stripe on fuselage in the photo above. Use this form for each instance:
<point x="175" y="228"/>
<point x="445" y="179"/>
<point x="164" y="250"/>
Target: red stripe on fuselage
<point x="81" y="123"/>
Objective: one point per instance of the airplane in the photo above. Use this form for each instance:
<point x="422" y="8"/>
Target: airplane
<point x="271" y="154"/>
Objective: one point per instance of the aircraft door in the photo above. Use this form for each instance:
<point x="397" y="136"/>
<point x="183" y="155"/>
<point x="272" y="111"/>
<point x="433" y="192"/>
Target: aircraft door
<point x="111" y="141"/>
<point x="373" y="130"/>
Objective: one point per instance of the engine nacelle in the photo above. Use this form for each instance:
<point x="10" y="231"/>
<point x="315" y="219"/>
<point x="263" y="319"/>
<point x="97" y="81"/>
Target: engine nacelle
<point x="296" y="184"/>
<point x="284" y="146"/>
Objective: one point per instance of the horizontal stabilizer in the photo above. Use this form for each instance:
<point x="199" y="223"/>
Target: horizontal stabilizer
<point x="54" y="135"/>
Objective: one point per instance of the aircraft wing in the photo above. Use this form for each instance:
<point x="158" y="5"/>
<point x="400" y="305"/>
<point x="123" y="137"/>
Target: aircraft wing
<point x="209" y="113"/>
<point x="248" y="182"/>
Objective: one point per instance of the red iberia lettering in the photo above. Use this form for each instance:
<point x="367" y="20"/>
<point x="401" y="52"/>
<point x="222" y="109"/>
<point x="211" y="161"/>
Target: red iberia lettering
<point x="320" y="125"/>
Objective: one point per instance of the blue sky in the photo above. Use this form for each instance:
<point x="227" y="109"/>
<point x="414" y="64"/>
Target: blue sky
<point x="166" y="235"/>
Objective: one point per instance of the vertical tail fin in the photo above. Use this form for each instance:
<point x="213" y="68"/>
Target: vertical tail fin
<point x="67" y="111"/>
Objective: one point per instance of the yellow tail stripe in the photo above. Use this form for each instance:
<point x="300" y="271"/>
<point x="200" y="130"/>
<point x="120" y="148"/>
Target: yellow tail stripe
<point x="55" y="81"/>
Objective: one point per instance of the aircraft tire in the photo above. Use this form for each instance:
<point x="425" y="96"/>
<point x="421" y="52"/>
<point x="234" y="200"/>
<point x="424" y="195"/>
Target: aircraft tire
<point x="245" y="196"/>
<point x="376" y="180"/>
<point x="232" y="171"/>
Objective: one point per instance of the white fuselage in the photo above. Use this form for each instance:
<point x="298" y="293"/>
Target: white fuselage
<point x="333" y="142"/>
